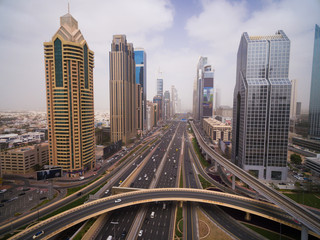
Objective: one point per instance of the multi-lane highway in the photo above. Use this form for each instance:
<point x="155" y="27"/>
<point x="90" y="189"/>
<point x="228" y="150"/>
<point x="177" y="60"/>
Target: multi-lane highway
<point x="147" y="177"/>
<point x="71" y="217"/>
<point x="303" y="215"/>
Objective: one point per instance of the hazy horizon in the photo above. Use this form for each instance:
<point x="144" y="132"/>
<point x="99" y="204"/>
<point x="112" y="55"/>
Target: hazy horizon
<point x="174" y="40"/>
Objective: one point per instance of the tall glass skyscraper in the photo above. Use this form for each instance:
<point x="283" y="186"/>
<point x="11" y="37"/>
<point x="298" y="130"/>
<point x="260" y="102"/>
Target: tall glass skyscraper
<point x="261" y="106"/>
<point x="140" y="58"/>
<point x="203" y="90"/>
<point x="314" y="107"/>
<point x="160" y="87"/>
<point x="69" y="84"/>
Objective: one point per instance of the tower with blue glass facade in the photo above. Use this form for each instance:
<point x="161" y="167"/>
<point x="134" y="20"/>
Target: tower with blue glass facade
<point x="140" y="58"/>
<point x="314" y="107"/>
<point x="69" y="89"/>
<point x="261" y="106"/>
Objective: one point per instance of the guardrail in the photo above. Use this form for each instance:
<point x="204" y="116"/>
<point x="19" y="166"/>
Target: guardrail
<point x="304" y="216"/>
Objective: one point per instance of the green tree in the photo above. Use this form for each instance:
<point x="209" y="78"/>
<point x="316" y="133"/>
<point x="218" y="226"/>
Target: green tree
<point x="295" y="159"/>
<point x="36" y="167"/>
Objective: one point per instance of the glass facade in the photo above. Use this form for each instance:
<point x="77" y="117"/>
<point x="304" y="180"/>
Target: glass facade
<point x="261" y="107"/>
<point x="314" y="107"/>
<point x="58" y="62"/>
<point x="159" y="87"/>
<point x="140" y="59"/>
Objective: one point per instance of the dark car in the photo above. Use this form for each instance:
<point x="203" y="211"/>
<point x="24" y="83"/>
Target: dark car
<point x="43" y="198"/>
<point x="1" y="204"/>
<point x="123" y="234"/>
<point x="20" y="194"/>
<point x="79" y="194"/>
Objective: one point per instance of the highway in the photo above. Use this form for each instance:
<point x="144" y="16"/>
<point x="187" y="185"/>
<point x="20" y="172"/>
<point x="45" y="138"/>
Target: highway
<point x="222" y="219"/>
<point x="73" y="216"/>
<point x="161" y="225"/>
<point x="303" y="215"/>
<point x="144" y="178"/>
<point x="33" y="216"/>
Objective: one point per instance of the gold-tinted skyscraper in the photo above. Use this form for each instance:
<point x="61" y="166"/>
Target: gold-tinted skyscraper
<point x="69" y="83"/>
<point x="122" y="90"/>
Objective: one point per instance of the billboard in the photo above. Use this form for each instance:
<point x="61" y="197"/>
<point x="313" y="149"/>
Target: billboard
<point x="207" y="102"/>
<point x="46" y="174"/>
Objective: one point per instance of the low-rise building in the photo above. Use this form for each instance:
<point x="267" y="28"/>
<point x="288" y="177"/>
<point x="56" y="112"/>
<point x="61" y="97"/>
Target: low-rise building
<point x="217" y="130"/>
<point x="313" y="163"/>
<point x="22" y="159"/>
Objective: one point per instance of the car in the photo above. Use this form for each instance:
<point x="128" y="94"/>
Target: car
<point x="106" y="192"/>
<point x="12" y="199"/>
<point x="38" y="234"/>
<point x="81" y="178"/>
<point x="1" y="204"/>
<point x="139" y="178"/>
<point x="4" y="200"/>
<point x="20" y="194"/>
<point x="3" y="190"/>
<point x="117" y="200"/>
<point x="123" y="234"/>
<point x="140" y="233"/>
<point x="79" y="194"/>
<point x="43" y="198"/>
<point x="147" y="178"/>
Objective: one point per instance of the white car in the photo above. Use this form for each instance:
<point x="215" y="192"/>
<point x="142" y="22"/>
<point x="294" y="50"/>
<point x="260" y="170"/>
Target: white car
<point x="140" y="233"/>
<point x="38" y="234"/>
<point x="106" y="192"/>
<point x="117" y="200"/>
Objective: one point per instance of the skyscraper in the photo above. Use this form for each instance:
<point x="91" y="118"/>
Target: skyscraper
<point x="203" y="90"/>
<point x="261" y="106"/>
<point x="314" y="107"/>
<point x="293" y="99"/>
<point x="160" y="87"/>
<point x="140" y="58"/>
<point x="122" y="90"/>
<point x="69" y="83"/>
<point x="174" y="100"/>
<point x="166" y="105"/>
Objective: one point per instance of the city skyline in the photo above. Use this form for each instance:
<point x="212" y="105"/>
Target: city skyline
<point x="174" y="42"/>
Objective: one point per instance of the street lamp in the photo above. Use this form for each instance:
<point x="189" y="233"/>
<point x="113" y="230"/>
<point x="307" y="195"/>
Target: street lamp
<point x="114" y="228"/>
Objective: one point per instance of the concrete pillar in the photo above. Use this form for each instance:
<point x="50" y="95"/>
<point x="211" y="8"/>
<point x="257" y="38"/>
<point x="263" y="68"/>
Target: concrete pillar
<point x="248" y="216"/>
<point x="216" y="164"/>
<point x="233" y="182"/>
<point x="304" y="233"/>
<point x="180" y="204"/>
<point x="207" y="157"/>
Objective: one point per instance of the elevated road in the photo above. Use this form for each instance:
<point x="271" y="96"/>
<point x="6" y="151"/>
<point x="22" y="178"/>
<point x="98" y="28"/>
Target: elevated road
<point x="60" y="222"/>
<point x="301" y="214"/>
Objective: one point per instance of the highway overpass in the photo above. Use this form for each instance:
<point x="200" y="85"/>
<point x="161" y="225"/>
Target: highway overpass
<point x="301" y="214"/>
<point x="60" y="222"/>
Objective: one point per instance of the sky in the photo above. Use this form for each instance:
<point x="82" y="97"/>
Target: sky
<point x="173" y="33"/>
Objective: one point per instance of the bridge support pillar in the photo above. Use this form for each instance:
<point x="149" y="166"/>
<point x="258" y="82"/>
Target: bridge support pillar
<point x="216" y="164"/>
<point x="233" y="182"/>
<point x="304" y="233"/>
<point x="248" y="216"/>
<point x="181" y="204"/>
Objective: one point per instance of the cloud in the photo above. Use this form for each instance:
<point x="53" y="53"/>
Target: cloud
<point x="221" y="23"/>
<point x="25" y="25"/>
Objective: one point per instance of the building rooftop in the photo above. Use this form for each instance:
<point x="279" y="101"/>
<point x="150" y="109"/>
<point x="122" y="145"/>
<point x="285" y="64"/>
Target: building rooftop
<point x="25" y="148"/>
<point x="216" y="123"/>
